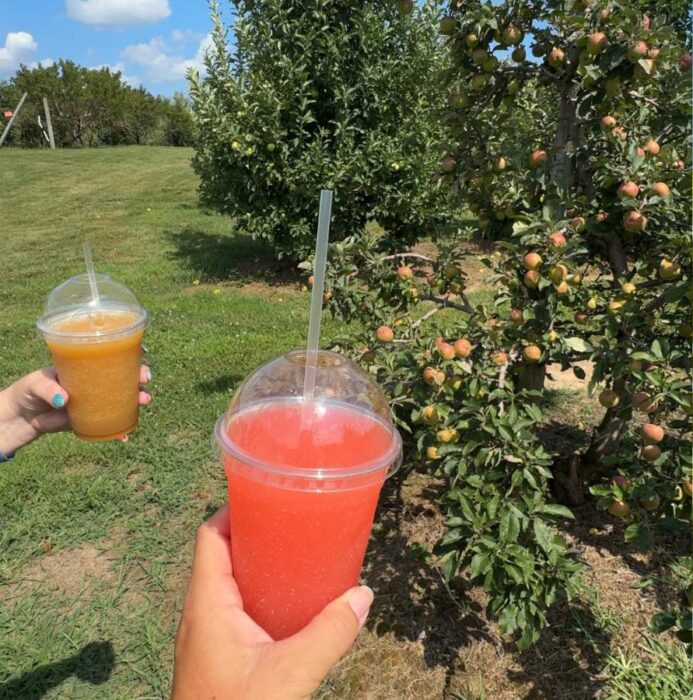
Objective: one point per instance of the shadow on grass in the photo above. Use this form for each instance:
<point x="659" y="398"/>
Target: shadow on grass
<point x="655" y="565"/>
<point x="413" y="603"/>
<point x="93" y="664"/>
<point x="568" y="659"/>
<point x="234" y="257"/>
<point x="220" y="385"/>
<point x="411" y="600"/>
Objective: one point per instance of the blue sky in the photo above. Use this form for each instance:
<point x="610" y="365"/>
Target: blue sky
<point x="152" y="42"/>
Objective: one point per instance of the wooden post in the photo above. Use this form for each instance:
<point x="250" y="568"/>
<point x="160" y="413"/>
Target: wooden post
<point x="48" y="122"/>
<point x="14" y="116"/>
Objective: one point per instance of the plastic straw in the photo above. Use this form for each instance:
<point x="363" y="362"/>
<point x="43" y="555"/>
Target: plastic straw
<point x="319" y="265"/>
<point x="95" y="299"/>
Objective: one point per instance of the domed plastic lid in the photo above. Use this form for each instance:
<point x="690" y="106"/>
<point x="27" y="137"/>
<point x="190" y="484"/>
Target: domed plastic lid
<point x="346" y="430"/>
<point x="72" y="300"/>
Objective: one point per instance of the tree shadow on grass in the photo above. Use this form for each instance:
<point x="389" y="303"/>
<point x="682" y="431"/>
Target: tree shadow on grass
<point x="411" y="599"/>
<point x="413" y="603"/>
<point x="653" y="565"/>
<point x="568" y="659"/>
<point x="234" y="257"/>
<point x="220" y="385"/>
<point x="93" y="664"/>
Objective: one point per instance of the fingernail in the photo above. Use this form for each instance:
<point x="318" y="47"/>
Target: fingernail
<point x="148" y="374"/>
<point x="58" y="401"/>
<point x="145" y="398"/>
<point x="360" y="600"/>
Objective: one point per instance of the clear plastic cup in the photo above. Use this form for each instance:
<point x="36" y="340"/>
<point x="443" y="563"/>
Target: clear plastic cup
<point x="303" y="484"/>
<point x="96" y="349"/>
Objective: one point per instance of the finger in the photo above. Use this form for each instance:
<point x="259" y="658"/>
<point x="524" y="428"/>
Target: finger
<point x="144" y="398"/>
<point x="52" y="421"/>
<point x="43" y="385"/>
<point x="211" y="570"/>
<point x="327" y="637"/>
<point x="145" y="374"/>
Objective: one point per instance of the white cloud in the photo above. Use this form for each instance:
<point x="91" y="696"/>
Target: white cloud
<point x="183" y="36"/>
<point x="17" y="49"/>
<point x="117" y="13"/>
<point x="119" y="67"/>
<point x="160" y="64"/>
<point x="43" y="63"/>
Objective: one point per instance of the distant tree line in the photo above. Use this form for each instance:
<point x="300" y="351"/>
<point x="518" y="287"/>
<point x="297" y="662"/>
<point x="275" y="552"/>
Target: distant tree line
<point x="92" y="107"/>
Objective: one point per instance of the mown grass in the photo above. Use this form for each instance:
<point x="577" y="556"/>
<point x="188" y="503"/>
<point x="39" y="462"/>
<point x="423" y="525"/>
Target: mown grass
<point x="137" y="503"/>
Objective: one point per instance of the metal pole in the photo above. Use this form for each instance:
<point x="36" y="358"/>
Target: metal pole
<point x="14" y="116"/>
<point x="49" y="124"/>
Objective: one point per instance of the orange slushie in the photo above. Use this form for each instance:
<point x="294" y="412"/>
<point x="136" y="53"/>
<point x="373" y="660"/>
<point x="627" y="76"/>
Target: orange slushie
<point x="97" y="355"/>
<point x="301" y="503"/>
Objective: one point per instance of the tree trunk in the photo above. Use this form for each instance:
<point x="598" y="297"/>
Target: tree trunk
<point x="572" y="473"/>
<point x="531" y="377"/>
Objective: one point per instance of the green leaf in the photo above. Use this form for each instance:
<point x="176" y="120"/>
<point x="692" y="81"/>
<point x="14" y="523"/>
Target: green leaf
<point x="648" y="65"/>
<point x="509" y="527"/>
<point x="543" y="534"/>
<point x="641" y="534"/>
<point x="557" y="510"/>
<point x="533" y="411"/>
<point x="578" y="344"/>
<point x="451" y="536"/>
<point x="662" y="621"/>
<point x="478" y="564"/>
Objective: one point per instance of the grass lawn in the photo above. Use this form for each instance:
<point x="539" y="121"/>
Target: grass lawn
<point x="96" y="538"/>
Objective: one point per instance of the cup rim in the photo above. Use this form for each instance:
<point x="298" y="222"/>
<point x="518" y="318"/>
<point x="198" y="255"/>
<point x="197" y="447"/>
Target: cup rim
<point x="393" y="456"/>
<point x="44" y="328"/>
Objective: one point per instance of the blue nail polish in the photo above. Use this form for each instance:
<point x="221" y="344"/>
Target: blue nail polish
<point x="149" y="374"/>
<point x="58" y="401"/>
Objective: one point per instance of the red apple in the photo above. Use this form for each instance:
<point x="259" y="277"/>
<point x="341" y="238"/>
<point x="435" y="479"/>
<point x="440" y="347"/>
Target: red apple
<point x="531" y="353"/>
<point x="531" y="279"/>
<point x="652" y="432"/>
<point x="634" y="221"/>
<point x="596" y="43"/>
<point x="462" y="347"/>
<point x="652" y="148"/>
<point x="627" y="189"/>
<point x="661" y="189"/>
<point x="537" y="158"/>
<point x="557" y="239"/>
<point x="608" y="122"/>
<point x="650" y="453"/>
<point x="532" y="261"/>
<point x="636" y="51"/>
<point x="384" y="334"/>
<point x="609" y="398"/>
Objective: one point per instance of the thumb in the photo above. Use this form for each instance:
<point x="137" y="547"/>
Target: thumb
<point x="317" y="647"/>
<point x="43" y="385"/>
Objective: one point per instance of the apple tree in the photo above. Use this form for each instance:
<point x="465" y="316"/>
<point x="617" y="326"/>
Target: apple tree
<point x="321" y="94"/>
<point x="569" y="137"/>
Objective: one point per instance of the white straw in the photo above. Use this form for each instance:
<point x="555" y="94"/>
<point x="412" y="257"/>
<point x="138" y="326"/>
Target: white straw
<point x="319" y="265"/>
<point x="95" y="299"/>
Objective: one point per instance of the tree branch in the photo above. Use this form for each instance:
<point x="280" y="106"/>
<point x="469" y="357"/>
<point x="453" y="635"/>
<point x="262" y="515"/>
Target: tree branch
<point x="656" y="303"/>
<point x="616" y="255"/>
<point x="444" y="301"/>
<point x="424" y="318"/>
<point x="416" y="256"/>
